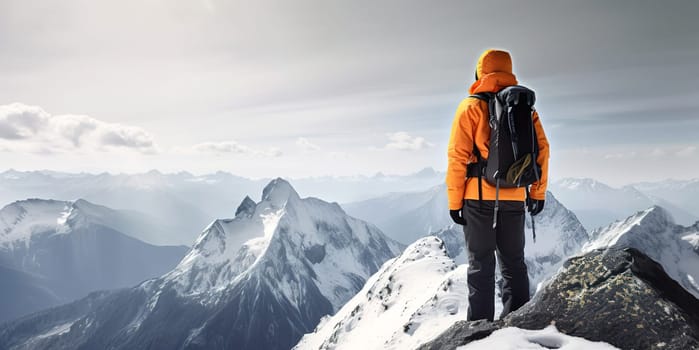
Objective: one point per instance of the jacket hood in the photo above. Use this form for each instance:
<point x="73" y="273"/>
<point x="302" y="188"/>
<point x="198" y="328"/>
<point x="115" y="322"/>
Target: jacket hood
<point x="494" y="72"/>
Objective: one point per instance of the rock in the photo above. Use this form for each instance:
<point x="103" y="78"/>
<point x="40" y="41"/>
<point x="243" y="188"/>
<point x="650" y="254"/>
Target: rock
<point x="621" y="297"/>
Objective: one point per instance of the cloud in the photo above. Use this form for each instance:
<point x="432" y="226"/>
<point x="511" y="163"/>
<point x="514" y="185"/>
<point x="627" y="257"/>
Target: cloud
<point x="30" y="128"/>
<point x="621" y="155"/>
<point x="657" y="152"/>
<point x="18" y="121"/>
<point x="306" y="145"/>
<point x="687" y="151"/>
<point x="403" y="141"/>
<point x="233" y="147"/>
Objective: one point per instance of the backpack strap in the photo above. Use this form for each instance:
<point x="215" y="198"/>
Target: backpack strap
<point x="483" y="96"/>
<point x="476" y="169"/>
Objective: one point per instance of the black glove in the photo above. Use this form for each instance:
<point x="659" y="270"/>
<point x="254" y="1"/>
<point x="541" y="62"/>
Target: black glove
<point x="457" y="216"/>
<point x="535" y="206"/>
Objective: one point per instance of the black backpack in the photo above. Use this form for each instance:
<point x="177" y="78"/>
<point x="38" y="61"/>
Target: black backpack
<point x="513" y="148"/>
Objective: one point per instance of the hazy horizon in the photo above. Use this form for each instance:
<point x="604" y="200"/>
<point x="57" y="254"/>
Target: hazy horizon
<point x="311" y="177"/>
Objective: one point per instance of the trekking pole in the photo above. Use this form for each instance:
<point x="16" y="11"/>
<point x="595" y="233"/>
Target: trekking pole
<point x="529" y="209"/>
<point x="533" y="227"/>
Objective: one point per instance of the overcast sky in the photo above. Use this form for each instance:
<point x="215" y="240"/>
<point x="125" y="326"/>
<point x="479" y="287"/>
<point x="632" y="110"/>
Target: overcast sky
<point x="307" y="88"/>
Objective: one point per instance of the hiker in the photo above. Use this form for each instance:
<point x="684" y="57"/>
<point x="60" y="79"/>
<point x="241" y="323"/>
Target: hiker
<point x="487" y="181"/>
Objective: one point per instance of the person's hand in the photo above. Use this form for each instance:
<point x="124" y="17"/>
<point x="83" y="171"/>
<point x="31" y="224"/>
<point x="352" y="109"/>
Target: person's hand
<point x="457" y="216"/>
<point x="535" y="206"/>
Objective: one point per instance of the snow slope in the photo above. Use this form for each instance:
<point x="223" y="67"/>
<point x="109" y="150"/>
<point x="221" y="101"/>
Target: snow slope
<point x="412" y="299"/>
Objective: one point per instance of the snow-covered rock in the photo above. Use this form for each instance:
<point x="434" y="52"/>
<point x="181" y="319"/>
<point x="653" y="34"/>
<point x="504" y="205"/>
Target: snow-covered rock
<point x="257" y="281"/>
<point x="412" y="299"/>
<point x="654" y="232"/>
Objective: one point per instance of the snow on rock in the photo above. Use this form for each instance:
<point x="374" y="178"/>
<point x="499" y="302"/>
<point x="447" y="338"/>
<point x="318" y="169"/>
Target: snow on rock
<point x="513" y="338"/>
<point x="654" y="232"/>
<point x="410" y="300"/>
<point x="21" y="220"/>
<point x="246" y="207"/>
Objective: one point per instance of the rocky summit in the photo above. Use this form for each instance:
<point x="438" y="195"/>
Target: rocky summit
<point x="618" y="296"/>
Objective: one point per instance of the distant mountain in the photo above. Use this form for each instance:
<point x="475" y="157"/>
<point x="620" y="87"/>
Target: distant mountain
<point x="23" y="293"/>
<point x="654" y="232"/>
<point x="597" y="204"/>
<point x="680" y="193"/>
<point x="257" y="281"/>
<point x="405" y="216"/>
<point x="189" y="202"/>
<point x="53" y="252"/>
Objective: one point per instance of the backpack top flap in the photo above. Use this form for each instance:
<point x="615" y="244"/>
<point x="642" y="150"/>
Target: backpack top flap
<point x="513" y="95"/>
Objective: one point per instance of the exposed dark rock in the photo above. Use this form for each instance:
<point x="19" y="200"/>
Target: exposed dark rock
<point x="315" y="253"/>
<point x="621" y="297"/>
<point x="246" y="207"/>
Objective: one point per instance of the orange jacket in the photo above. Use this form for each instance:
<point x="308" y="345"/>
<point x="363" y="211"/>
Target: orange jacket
<point x="494" y="72"/>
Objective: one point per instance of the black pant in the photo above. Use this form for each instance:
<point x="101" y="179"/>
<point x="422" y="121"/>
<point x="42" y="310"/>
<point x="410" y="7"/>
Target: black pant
<point x="483" y="241"/>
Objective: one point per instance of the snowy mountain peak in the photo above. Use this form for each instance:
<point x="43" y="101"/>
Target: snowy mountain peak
<point x="284" y="237"/>
<point x="657" y="216"/>
<point x="585" y="184"/>
<point x="647" y="222"/>
<point x="246" y="207"/>
<point x="654" y="232"/>
<point x="278" y="192"/>
<point x="20" y="220"/>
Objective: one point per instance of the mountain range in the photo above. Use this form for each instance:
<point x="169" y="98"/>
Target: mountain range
<point x="257" y="281"/>
<point x="188" y="202"/>
<point x="52" y="252"/>
<point x="286" y="266"/>
<point x="597" y="204"/>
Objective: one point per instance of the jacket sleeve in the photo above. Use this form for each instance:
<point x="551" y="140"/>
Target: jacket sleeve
<point x="459" y="153"/>
<point x="538" y="189"/>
